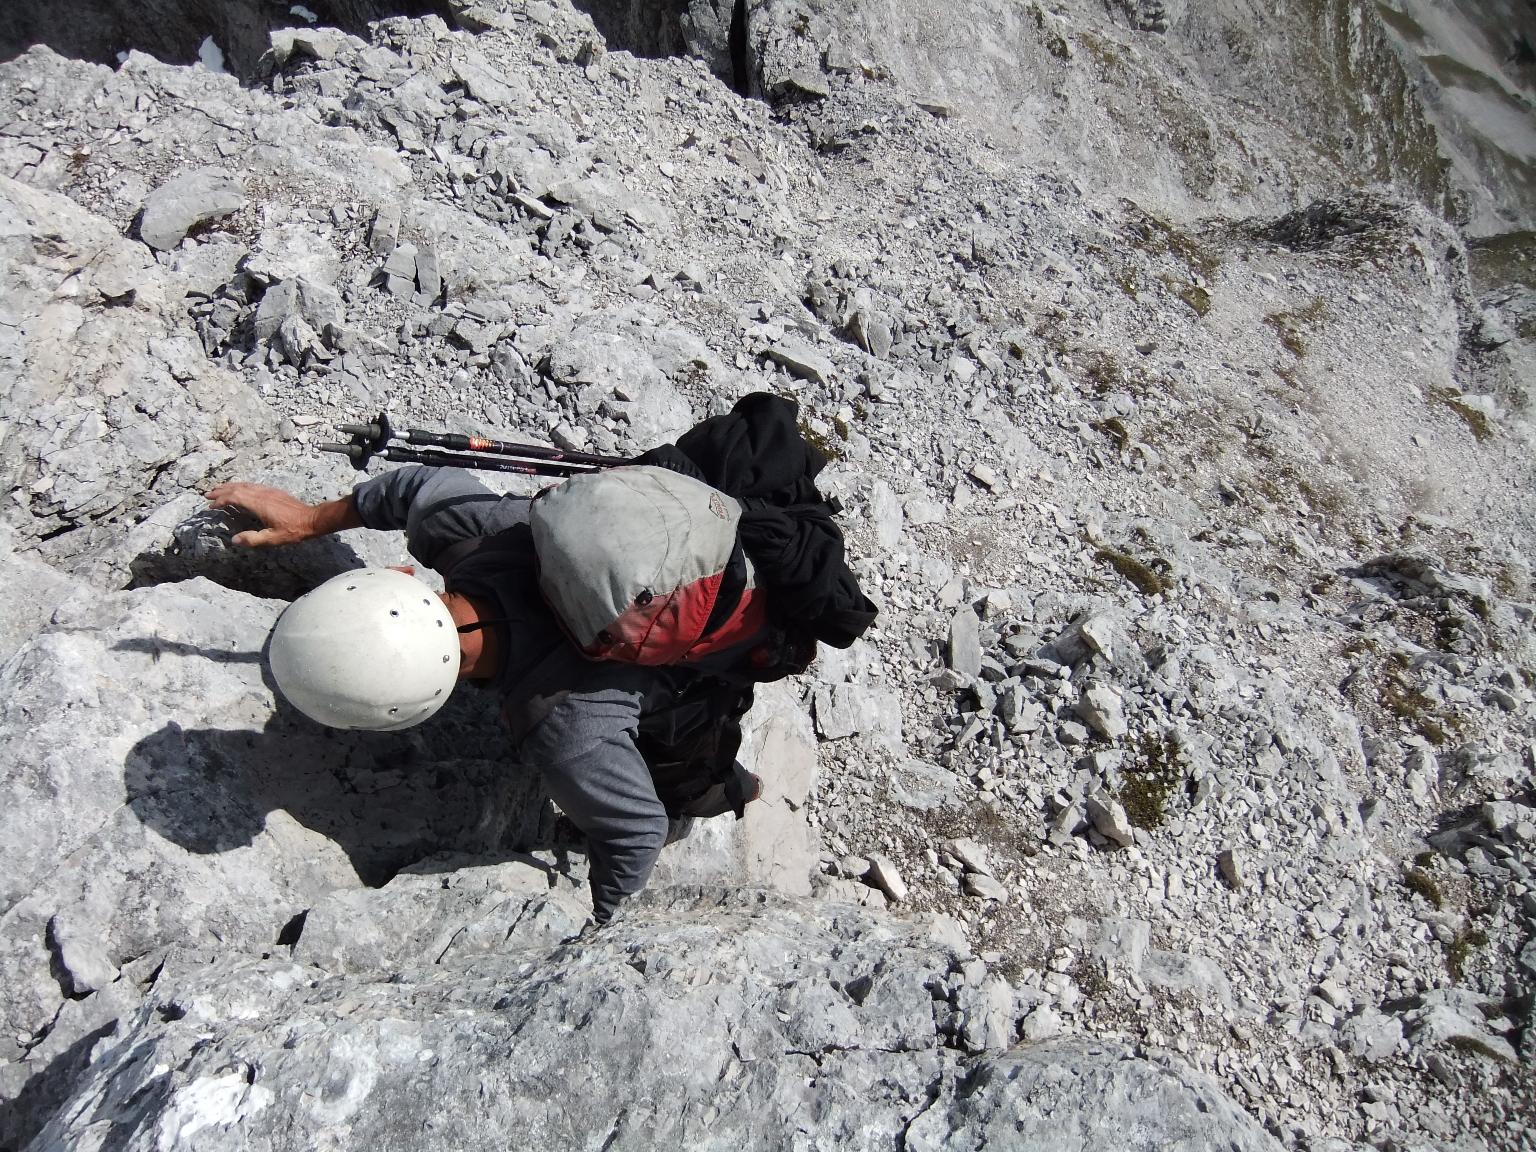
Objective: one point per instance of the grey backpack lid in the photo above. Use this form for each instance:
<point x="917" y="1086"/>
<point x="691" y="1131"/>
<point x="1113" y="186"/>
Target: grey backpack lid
<point x="632" y="559"/>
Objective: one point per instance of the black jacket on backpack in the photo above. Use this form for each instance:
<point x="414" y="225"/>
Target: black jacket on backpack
<point x="757" y="454"/>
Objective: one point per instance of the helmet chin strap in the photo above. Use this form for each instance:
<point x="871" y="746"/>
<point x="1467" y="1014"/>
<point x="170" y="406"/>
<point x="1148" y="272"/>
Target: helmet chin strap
<point x="465" y="629"/>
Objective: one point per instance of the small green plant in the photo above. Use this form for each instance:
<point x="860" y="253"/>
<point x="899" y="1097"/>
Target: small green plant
<point x="1106" y="54"/>
<point x="1089" y="976"/>
<point x="1291" y="326"/>
<point x="1321" y="499"/>
<point x="1115" y="429"/>
<point x="1409" y="703"/>
<point x="1147" y="581"/>
<point x="1195" y="298"/>
<point x="1152" y="779"/>
<point x="1474" y="1045"/>
<point x="1103" y="370"/>
<point x="1460" y="950"/>
<point x="1290" y="339"/>
<point x="1312" y="313"/>
<point x="830" y="448"/>
<point x="1156" y="237"/>
<point x="1359" y="646"/>
<point x="1420" y="882"/>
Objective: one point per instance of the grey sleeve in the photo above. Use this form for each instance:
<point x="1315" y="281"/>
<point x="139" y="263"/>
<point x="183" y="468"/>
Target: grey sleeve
<point x="585" y="747"/>
<point x="436" y="507"/>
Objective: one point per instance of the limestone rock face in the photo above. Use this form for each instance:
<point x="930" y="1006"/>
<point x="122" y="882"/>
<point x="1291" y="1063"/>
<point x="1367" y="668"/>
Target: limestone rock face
<point x="170" y="29"/>
<point x="710" y="1021"/>
<point x="109" y="400"/>
<point x="1068" y="1093"/>
<point x="159" y="797"/>
<point x="772" y="847"/>
<point x="33" y="591"/>
<point x="157" y="794"/>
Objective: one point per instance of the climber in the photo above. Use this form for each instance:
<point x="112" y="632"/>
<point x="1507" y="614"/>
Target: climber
<point x="332" y="665"/>
<point x="626" y="749"/>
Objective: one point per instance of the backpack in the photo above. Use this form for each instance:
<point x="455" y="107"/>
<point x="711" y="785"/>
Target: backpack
<point x="717" y="554"/>
<point x="645" y="565"/>
<point x="690" y="739"/>
<point x="690" y="742"/>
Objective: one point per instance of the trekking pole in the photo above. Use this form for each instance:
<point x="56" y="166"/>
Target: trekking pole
<point x="373" y="439"/>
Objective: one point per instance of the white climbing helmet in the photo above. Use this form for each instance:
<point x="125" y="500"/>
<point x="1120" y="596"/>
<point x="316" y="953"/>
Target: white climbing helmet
<point x="372" y="648"/>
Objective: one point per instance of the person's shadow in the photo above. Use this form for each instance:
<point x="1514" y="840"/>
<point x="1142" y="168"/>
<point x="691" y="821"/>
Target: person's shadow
<point x="387" y="799"/>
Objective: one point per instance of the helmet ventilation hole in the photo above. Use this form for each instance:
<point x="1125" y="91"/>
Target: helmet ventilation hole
<point x="445" y="659"/>
<point x="351" y="587"/>
<point x="394" y="611"/>
<point x="394" y="711"/>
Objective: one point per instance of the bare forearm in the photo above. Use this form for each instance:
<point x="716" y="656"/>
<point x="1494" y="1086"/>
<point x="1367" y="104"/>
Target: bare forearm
<point x="334" y="516"/>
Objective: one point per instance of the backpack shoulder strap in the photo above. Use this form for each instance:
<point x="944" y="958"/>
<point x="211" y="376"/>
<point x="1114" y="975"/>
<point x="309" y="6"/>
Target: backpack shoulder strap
<point x="461" y="550"/>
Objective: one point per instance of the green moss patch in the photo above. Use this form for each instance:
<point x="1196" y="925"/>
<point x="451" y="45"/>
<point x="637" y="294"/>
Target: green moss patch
<point x="1420" y="882"/>
<point x="1397" y="694"/>
<point x="1116" y="430"/>
<point x="1477" y="1047"/>
<point x="1157" y="237"/>
<point x="831" y="448"/>
<point x="1460" y="950"/>
<point x="1103" y="370"/>
<point x="1477" y="423"/>
<point x="1293" y="326"/>
<point x="1150" y="781"/>
<point x="1195" y="298"/>
<point x="1147" y="581"/>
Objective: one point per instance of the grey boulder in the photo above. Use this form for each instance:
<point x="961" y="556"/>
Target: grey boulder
<point x="1073" y="1094"/>
<point x="183" y="202"/>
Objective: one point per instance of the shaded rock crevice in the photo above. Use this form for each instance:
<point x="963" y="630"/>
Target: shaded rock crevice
<point x="23" y="1113"/>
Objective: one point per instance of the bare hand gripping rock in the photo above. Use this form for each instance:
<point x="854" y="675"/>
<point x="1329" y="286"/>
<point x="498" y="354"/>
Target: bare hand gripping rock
<point x="285" y="519"/>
